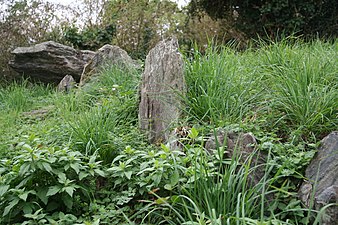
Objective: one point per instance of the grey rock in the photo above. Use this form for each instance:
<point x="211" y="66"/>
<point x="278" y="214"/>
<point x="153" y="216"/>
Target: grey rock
<point x="66" y="84"/>
<point x="241" y="145"/>
<point x="38" y="113"/>
<point x="107" y="55"/>
<point x="162" y="82"/>
<point x="87" y="55"/>
<point x="322" y="179"/>
<point x="178" y="137"/>
<point x="49" y="61"/>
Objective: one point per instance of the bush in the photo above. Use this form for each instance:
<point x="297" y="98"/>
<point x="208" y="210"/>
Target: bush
<point x="41" y="177"/>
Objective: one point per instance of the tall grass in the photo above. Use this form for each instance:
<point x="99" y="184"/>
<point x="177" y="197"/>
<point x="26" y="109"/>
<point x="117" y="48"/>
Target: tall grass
<point x="15" y="98"/>
<point x="302" y="84"/>
<point x="21" y="96"/>
<point x="221" y="86"/>
<point x="290" y="86"/>
<point x="91" y="129"/>
<point x="109" y="108"/>
<point x="223" y="192"/>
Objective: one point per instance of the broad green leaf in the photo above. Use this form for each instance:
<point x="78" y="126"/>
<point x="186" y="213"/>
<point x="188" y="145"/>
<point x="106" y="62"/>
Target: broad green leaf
<point x="168" y="187"/>
<point x="83" y="175"/>
<point x="96" y="222"/>
<point x="69" y="190"/>
<point x="24" y="196"/>
<point x="53" y="190"/>
<point x="157" y="178"/>
<point x="165" y="148"/>
<point x="91" y="172"/>
<point x="193" y="134"/>
<point x="62" y="178"/>
<point x="37" y="215"/>
<point x="117" y="158"/>
<point x="128" y="174"/>
<point x="75" y="167"/>
<point x="2" y="170"/>
<point x="47" y="167"/>
<point x="42" y="194"/>
<point x="146" y="170"/>
<point x="27" y="148"/>
<point x="28" y="208"/>
<point x="23" y="182"/>
<point x="68" y="201"/>
<point x="100" y="172"/>
<point x="174" y="178"/>
<point x="3" y="189"/>
<point x="24" y="169"/>
<point x="52" y="159"/>
<point x="66" y="167"/>
<point x="8" y="208"/>
<point x="160" y="201"/>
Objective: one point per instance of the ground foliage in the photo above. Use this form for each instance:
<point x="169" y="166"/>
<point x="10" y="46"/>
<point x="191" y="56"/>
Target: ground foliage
<point x="79" y="158"/>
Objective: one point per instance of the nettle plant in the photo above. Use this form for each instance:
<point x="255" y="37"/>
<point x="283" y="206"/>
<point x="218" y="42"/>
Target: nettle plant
<point x="50" y="178"/>
<point x="147" y="170"/>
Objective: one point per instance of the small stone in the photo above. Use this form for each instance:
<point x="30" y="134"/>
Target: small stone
<point x="66" y="84"/>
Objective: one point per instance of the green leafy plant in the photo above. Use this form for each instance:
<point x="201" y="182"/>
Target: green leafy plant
<point x="46" y="177"/>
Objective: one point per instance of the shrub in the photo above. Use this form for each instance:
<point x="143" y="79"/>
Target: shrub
<point x="47" y="178"/>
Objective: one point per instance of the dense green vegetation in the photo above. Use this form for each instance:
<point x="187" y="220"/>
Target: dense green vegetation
<point x="274" y="17"/>
<point x="79" y="158"/>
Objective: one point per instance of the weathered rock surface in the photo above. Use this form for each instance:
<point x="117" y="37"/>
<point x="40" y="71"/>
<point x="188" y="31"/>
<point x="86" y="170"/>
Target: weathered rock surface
<point x="108" y="54"/>
<point x="66" y="84"/>
<point x="162" y="80"/>
<point x="243" y="146"/>
<point x="48" y="62"/>
<point x="322" y="175"/>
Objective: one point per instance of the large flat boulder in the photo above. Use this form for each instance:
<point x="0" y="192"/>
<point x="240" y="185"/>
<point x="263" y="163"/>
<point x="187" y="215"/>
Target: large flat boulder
<point x="321" y="186"/>
<point x="162" y="82"/>
<point x="49" y="61"/>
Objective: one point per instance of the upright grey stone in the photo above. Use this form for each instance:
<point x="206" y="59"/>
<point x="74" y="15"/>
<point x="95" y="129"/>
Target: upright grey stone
<point x="321" y="188"/>
<point x="162" y="83"/>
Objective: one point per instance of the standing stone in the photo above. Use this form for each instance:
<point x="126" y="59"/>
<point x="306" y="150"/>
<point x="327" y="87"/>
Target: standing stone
<point x="321" y="188"/>
<point x="162" y="83"/>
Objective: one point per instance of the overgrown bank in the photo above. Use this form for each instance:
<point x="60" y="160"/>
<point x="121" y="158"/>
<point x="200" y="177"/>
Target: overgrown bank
<point x="81" y="158"/>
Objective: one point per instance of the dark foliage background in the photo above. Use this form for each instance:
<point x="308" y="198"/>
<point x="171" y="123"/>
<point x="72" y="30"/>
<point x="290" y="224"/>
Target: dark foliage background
<point x="274" y="17"/>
